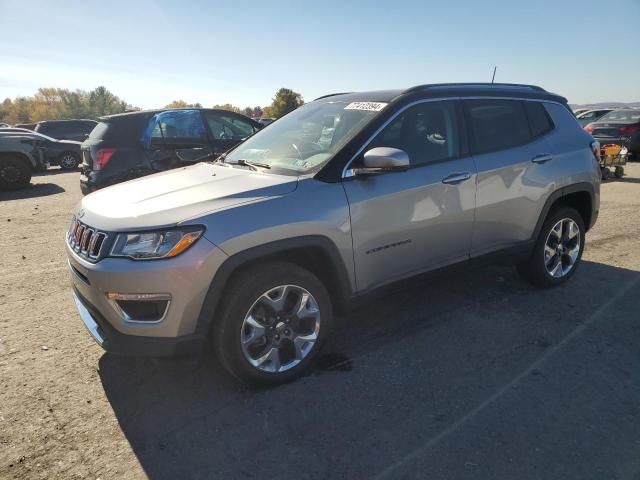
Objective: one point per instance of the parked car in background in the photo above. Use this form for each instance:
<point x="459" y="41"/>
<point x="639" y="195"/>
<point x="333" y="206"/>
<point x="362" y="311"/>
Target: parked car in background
<point x="131" y="145"/>
<point x="28" y="126"/>
<point x="592" y="115"/>
<point x="250" y="255"/>
<point x="264" y="121"/>
<point x="77" y="130"/>
<point x="578" y="111"/>
<point x="619" y="127"/>
<point x="65" y="153"/>
<point x="20" y="157"/>
<point x="4" y="125"/>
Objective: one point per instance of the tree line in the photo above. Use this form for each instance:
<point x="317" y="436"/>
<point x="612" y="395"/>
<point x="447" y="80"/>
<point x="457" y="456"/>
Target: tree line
<point x="61" y="103"/>
<point x="284" y="101"/>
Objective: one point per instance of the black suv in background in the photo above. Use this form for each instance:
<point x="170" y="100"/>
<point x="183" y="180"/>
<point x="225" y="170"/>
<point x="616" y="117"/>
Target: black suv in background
<point x="131" y="145"/>
<point x="77" y="130"/>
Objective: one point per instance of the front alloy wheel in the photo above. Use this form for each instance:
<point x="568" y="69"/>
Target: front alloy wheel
<point x="272" y="324"/>
<point x="280" y="329"/>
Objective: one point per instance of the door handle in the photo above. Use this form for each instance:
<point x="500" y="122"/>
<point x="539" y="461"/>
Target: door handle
<point x="456" y="178"/>
<point x="542" y="158"/>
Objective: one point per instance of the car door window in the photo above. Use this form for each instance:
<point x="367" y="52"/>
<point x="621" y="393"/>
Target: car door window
<point x="179" y="126"/>
<point x="539" y="120"/>
<point x="427" y="132"/>
<point x="496" y="124"/>
<point x="228" y="127"/>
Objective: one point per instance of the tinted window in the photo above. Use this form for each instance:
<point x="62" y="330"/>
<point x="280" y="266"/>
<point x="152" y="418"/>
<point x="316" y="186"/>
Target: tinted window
<point x="228" y="127"/>
<point x="175" y="125"/>
<point x="100" y="130"/>
<point x="539" y="120"/>
<point x="496" y="124"/>
<point x="427" y="132"/>
<point x="630" y="116"/>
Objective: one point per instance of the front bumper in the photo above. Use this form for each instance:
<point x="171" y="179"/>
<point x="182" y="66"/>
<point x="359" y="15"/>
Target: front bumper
<point x="186" y="278"/>
<point x="120" y="344"/>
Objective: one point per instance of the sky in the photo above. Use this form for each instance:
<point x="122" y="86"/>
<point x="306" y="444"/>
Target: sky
<point x="150" y="52"/>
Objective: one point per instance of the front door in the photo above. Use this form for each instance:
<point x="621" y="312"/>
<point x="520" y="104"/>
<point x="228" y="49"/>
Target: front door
<point x="227" y="130"/>
<point x="407" y="222"/>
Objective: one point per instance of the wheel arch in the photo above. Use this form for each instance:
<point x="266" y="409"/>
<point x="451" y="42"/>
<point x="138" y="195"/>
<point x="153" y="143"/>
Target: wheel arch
<point x="25" y="157"/>
<point x="579" y="196"/>
<point x="316" y="253"/>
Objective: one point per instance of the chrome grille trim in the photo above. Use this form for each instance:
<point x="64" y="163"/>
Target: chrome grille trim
<point x="85" y="240"/>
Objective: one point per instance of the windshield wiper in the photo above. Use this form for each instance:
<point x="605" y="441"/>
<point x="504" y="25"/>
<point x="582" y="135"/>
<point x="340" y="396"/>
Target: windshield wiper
<point x="249" y="163"/>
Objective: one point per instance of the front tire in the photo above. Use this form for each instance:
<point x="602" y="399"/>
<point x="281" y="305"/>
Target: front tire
<point x="273" y="323"/>
<point x="558" y="249"/>
<point x="14" y="173"/>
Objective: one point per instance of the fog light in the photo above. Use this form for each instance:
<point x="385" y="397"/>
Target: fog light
<point x="140" y="307"/>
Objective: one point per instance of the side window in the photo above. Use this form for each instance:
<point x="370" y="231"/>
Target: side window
<point x="427" y="132"/>
<point x="539" y="120"/>
<point x="175" y="125"/>
<point x="228" y="127"/>
<point x="496" y="124"/>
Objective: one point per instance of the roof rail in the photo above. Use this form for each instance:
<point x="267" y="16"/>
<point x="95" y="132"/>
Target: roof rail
<point x="418" y="88"/>
<point x="331" y="95"/>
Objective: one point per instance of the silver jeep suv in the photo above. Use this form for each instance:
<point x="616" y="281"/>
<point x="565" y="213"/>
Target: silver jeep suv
<point x="252" y="253"/>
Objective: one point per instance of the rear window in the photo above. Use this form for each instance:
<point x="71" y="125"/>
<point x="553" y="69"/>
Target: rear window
<point x="99" y="131"/>
<point x="496" y="124"/>
<point x="539" y="120"/>
<point x="630" y="116"/>
<point x="46" y="128"/>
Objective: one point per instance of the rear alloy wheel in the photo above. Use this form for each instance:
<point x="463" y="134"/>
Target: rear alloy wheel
<point x="273" y="323"/>
<point x="558" y="250"/>
<point x="562" y="248"/>
<point x="69" y="161"/>
<point x="14" y="173"/>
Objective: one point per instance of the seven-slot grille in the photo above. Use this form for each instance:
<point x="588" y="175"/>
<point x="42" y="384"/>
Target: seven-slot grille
<point x="85" y="240"/>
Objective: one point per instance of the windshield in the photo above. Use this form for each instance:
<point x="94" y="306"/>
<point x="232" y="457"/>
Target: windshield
<point x="630" y="116"/>
<point x="307" y="138"/>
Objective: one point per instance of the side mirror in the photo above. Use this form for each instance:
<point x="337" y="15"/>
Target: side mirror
<point x="383" y="159"/>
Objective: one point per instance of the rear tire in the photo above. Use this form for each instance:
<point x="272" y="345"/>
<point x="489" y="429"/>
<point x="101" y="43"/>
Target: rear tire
<point x="69" y="161"/>
<point x="14" y="173"/>
<point x="558" y="249"/>
<point x="259" y="317"/>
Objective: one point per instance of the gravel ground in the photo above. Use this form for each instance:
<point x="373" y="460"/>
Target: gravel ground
<point x="476" y="375"/>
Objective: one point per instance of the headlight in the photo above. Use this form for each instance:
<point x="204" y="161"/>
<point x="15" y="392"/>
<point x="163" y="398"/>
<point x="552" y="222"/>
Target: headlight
<point x="156" y="244"/>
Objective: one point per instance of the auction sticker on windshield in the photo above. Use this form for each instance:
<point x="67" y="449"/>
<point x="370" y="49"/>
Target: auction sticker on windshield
<point x="370" y="106"/>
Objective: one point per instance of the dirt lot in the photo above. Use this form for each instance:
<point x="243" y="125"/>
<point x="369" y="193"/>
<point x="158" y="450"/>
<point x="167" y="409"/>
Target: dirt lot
<point x="475" y="376"/>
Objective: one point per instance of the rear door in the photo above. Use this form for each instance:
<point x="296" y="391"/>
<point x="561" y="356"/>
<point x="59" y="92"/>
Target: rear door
<point x="514" y="160"/>
<point x="407" y="222"/>
<point x="227" y="129"/>
<point x="176" y="138"/>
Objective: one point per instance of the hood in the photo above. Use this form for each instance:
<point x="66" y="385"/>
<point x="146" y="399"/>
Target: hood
<point x="175" y="196"/>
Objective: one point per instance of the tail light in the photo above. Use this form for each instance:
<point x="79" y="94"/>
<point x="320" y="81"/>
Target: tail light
<point x="102" y="158"/>
<point x="626" y="130"/>
<point x="589" y="128"/>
